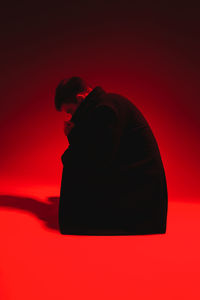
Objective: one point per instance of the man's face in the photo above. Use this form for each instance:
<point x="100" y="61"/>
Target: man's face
<point x="69" y="109"/>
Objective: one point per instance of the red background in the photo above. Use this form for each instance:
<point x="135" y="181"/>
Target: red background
<point x="149" y="53"/>
<point x="146" y="51"/>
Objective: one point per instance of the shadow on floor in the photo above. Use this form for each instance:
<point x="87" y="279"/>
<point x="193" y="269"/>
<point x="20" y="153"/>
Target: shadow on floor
<point x="46" y="212"/>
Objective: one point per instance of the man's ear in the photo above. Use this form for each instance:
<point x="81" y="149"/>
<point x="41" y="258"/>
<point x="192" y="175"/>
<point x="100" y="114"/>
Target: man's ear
<point x="80" y="97"/>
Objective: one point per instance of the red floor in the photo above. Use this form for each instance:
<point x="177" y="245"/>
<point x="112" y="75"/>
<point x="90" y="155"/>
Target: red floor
<point x="37" y="262"/>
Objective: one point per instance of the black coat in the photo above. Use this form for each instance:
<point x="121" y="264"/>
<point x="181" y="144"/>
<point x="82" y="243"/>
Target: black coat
<point x="113" y="179"/>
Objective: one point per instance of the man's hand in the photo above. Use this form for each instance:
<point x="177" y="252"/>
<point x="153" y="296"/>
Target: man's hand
<point x="68" y="125"/>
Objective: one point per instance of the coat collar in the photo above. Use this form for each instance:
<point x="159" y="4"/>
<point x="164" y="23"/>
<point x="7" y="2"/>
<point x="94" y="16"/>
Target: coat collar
<point x="91" y="100"/>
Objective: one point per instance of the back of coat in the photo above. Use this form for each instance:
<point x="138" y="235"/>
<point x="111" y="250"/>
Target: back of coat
<point x="113" y="180"/>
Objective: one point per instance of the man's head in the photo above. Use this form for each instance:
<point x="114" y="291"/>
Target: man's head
<point x="70" y="93"/>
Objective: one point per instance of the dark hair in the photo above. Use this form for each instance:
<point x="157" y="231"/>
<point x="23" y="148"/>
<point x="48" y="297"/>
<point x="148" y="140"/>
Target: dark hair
<point x="67" y="90"/>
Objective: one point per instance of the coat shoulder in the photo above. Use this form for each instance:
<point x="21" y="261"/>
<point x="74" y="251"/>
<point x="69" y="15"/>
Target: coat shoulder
<point x="103" y="114"/>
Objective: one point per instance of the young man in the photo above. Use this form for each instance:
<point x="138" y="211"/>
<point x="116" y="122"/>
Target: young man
<point x="113" y="179"/>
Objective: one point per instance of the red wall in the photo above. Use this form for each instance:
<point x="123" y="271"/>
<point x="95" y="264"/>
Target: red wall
<point x="148" y="53"/>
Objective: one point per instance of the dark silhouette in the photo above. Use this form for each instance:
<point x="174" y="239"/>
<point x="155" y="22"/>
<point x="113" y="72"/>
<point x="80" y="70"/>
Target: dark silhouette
<point x="46" y="212"/>
<point x="113" y="179"/>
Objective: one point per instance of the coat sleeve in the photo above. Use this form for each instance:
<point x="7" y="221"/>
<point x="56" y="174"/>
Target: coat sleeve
<point x="97" y="146"/>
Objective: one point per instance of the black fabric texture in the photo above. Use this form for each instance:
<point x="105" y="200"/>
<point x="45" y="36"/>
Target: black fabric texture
<point x="113" y="180"/>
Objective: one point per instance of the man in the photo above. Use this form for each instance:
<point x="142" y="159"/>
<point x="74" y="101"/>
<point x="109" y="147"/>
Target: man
<point x="113" y="180"/>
